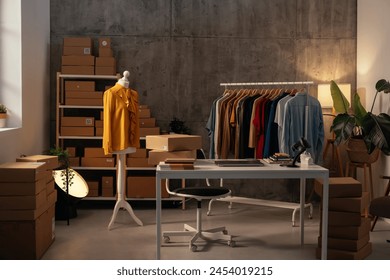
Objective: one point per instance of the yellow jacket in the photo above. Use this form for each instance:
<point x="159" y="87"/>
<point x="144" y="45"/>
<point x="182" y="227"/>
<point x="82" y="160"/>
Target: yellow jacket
<point x="120" y="119"/>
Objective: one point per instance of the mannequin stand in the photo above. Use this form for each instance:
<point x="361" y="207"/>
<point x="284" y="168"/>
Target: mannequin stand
<point x="121" y="188"/>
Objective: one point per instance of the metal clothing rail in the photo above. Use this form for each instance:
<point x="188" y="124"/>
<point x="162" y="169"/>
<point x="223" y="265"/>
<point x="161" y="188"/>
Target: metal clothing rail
<point x="266" y="83"/>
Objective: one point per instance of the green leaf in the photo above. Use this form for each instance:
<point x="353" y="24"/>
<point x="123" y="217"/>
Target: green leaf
<point x="377" y="132"/>
<point x="382" y="85"/>
<point x="340" y="102"/>
<point x="358" y="109"/>
<point x="342" y="126"/>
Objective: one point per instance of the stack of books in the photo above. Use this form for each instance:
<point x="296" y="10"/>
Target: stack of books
<point x="279" y="158"/>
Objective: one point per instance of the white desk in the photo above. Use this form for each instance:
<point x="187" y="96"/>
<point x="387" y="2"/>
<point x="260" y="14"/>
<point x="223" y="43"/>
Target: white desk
<point x="207" y="169"/>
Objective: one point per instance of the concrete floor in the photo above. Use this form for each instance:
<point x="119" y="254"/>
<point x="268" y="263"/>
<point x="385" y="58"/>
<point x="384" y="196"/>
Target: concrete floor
<point x="261" y="233"/>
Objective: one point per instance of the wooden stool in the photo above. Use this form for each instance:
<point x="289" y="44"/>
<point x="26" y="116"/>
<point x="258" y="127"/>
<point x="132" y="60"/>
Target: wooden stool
<point x="366" y="166"/>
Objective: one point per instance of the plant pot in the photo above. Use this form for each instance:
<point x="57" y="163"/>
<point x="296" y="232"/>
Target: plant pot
<point x="357" y="151"/>
<point x="3" y="120"/>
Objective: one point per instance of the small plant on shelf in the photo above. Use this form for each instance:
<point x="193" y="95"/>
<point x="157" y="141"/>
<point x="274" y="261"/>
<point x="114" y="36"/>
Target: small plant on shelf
<point x="3" y="109"/>
<point x="3" y="115"/>
<point x="178" y="126"/>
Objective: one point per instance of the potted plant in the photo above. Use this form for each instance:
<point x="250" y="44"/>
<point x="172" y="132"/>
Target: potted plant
<point x="356" y="126"/>
<point x="178" y="126"/>
<point x="3" y="115"/>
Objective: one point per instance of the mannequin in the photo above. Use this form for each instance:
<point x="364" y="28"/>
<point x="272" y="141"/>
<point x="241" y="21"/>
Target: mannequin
<point x="121" y="136"/>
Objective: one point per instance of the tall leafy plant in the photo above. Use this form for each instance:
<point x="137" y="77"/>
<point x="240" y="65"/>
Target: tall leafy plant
<point x="358" y="122"/>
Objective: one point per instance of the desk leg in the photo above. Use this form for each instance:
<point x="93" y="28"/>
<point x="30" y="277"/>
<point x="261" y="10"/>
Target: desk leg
<point x="324" y="233"/>
<point x="158" y="216"/>
<point x="302" y="209"/>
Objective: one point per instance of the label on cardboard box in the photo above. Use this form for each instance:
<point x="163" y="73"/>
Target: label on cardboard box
<point x="76" y="50"/>
<point x="77" y="121"/>
<point x="79" y="86"/>
<point x="104" y="42"/>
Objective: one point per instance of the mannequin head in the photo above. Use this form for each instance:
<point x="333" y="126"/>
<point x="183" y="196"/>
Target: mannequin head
<point x="124" y="81"/>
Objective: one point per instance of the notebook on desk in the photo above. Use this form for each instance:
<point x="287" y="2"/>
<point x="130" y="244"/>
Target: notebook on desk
<point x="238" y="162"/>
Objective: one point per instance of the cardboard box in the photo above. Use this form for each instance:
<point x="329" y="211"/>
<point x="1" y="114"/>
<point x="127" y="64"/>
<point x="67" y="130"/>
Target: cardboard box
<point x="28" y="214"/>
<point x="97" y="162"/>
<point x="22" y="202"/>
<point x="147" y="122"/>
<point x="105" y="70"/>
<point x="138" y="162"/>
<point x="99" y="131"/>
<point x="156" y="156"/>
<point x="347" y="255"/>
<point x="107" y="192"/>
<point x="77" y="131"/>
<point x="93" y="193"/>
<point x="351" y="232"/>
<point x="99" y="123"/>
<point x="104" y="43"/>
<point x="76" y="50"/>
<point x="51" y="161"/>
<point x="22" y="171"/>
<point x="350" y="204"/>
<point x="173" y="142"/>
<point x="78" y="42"/>
<point x="340" y="187"/>
<point x="144" y="131"/>
<point x="144" y="187"/>
<point x="107" y="182"/>
<point x="79" y="86"/>
<point x="74" y="161"/>
<point x="336" y="218"/>
<point x="139" y="153"/>
<point x="22" y="188"/>
<point x="346" y="244"/>
<point x="77" y="121"/>
<point x="105" y="61"/>
<point x="84" y="101"/>
<point x="84" y="94"/>
<point x="25" y="240"/>
<point x="105" y="52"/>
<point x="78" y="60"/>
<point x="78" y="70"/>
<point x="144" y="113"/>
<point x="93" y="185"/>
<point x="95" y="152"/>
<point x="71" y="151"/>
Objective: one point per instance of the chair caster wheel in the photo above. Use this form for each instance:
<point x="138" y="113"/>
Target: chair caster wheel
<point x="166" y="239"/>
<point x="231" y="243"/>
<point x="225" y="232"/>
<point x="193" y="247"/>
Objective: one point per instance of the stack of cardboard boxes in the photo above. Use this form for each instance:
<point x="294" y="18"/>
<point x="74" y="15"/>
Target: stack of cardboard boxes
<point x="27" y="207"/>
<point x="77" y="56"/>
<point x="105" y="62"/>
<point x="348" y="224"/>
<point x="147" y="124"/>
<point x="160" y="147"/>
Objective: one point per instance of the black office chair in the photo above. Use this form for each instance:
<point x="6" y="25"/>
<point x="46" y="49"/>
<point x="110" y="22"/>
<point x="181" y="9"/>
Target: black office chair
<point x="199" y="193"/>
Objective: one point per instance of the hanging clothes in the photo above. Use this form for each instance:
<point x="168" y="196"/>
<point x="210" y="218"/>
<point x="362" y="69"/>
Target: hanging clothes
<point x="120" y="119"/>
<point x="294" y="125"/>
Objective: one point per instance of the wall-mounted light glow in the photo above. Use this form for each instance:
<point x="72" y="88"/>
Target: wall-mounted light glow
<point x="325" y="97"/>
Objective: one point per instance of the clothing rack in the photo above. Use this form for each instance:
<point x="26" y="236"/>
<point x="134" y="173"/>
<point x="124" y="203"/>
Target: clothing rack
<point x="263" y="202"/>
<point x="306" y="83"/>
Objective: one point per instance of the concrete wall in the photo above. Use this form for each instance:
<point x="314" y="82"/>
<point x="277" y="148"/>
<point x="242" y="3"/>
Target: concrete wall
<point x="178" y="51"/>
